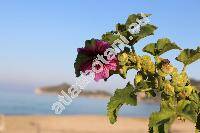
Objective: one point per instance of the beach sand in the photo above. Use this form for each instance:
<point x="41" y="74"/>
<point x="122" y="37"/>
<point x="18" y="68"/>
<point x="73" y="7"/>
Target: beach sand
<point x="83" y="124"/>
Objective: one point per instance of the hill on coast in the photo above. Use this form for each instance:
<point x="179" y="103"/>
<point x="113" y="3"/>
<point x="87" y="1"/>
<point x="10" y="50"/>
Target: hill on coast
<point x="57" y="89"/>
<point x="86" y="93"/>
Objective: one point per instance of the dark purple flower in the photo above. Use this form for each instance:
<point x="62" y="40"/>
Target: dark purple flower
<point x="88" y="54"/>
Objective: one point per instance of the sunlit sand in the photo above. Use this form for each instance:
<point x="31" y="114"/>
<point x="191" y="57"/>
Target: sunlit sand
<point x="83" y="124"/>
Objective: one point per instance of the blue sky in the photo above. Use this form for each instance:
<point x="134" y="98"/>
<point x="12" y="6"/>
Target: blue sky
<point x="39" y="38"/>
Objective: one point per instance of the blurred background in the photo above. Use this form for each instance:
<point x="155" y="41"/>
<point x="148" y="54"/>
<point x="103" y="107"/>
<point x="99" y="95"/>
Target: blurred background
<point x="38" y="47"/>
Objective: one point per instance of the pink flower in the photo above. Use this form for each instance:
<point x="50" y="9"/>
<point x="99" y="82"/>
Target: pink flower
<point x="104" y="74"/>
<point x="87" y="55"/>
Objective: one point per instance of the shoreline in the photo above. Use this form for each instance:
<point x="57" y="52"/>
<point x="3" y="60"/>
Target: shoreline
<point x="83" y="124"/>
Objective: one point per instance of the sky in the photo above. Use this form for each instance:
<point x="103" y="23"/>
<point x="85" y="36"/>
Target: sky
<point x="39" y="38"/>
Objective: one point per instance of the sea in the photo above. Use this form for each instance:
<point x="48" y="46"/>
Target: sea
<point x="29" y="103"/>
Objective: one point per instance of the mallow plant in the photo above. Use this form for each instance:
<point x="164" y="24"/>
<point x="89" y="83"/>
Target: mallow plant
<point x="155" y="75"/>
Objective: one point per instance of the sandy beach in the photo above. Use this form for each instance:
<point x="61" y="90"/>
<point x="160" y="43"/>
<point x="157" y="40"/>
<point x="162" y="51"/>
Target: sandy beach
<point x="83" y="124"/>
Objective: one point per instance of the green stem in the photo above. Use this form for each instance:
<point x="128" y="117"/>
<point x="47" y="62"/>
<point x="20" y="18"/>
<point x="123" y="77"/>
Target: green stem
<point x="184" y="68"/>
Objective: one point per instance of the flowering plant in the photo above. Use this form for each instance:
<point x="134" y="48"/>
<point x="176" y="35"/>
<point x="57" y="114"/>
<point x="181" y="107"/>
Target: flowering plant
<point x="155" y="77"/>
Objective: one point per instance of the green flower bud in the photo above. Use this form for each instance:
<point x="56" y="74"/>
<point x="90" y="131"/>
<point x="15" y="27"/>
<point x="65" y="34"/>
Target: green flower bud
<point x="147" y="64"/>
<point x="188" y="90"/>
<point x="138" y="64"/>
<point x="161" y="73"/>
<point x="133" y="57"/>
<point x="138" y="79"/>
<point x="167" y="68"/>
<point x="178" y="89"/>
<point x="182" y="94"/>
<point x="180" y="80"/>
<point x="123" y="58"/>
<point x="164" y="67"/>
<point x="168" y="89"/>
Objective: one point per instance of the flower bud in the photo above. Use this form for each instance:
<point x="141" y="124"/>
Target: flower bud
<point x="147" y="64"/>
<point x="169" y="89"/>
<point x="180" y="80"/>
<point x="167" y="68"/>
<point x="138" y="79"/>
<point x="188" y="90"/>
<point x="123" y="58"/>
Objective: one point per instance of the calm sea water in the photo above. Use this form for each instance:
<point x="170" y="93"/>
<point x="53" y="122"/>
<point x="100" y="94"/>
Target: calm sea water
<point x="18" y="103"/>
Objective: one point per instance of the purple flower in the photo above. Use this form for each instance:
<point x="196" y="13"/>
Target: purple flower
<point x="87" y="56"/>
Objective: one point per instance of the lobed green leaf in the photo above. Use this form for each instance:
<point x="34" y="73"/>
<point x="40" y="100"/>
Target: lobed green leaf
<point x="162" y="46"/>
<point x="188" y="56"/>
<point x="122" y="31"/>
<point x="121" y="96"/>
<point x="160" y="122"/>
<point x="186" y="109"/>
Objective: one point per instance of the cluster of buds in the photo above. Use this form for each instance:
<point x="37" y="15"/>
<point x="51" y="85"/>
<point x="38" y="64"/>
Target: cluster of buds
<point x="164" y="67"/>
<point x="180" y="80"/>
<point x="147" y="65"/>
<point x="168" y="89"/>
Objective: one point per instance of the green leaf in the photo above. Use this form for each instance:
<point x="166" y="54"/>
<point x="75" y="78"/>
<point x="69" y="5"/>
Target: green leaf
<point x="160" y="122"/>
<point x="90" y="43"/>
<point x="145" y="31"/>
<point x="124" y="35"/>
<point x="121" y="96"/>
<point x="120" y="27"/>
<point x="194" y="97"/>
<point x="162" y="46"/>
<point x="110" y="37"/>
<point x="150" y="48"/>
<point x="182" y="105"/>
<point x="186" y="109"/>
<point x="132" y="18"/>
<point x="188" y="56"/>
